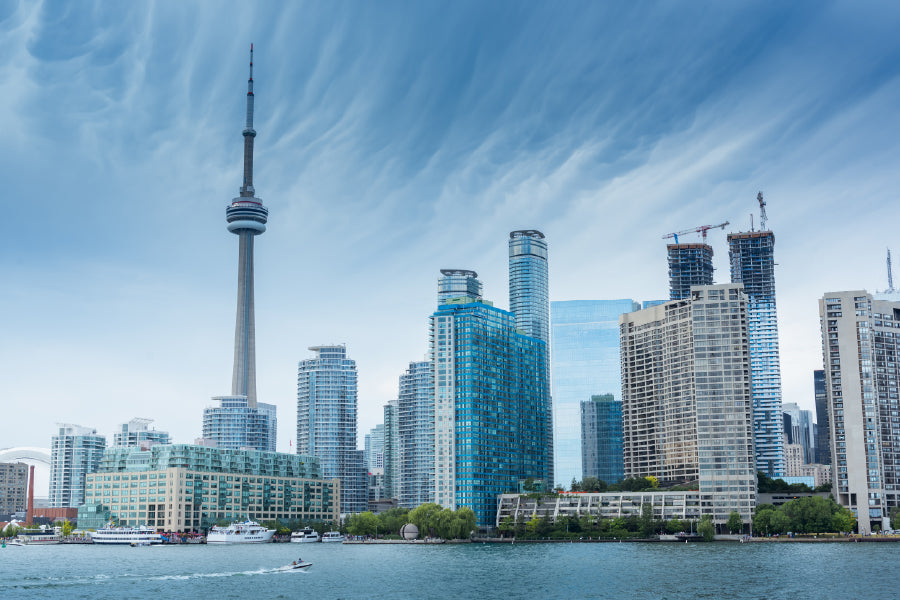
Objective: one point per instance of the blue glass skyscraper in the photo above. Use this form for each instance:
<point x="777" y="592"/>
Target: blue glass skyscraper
<point x="601" y="438"/>
<point x="585" y="363"/>
<point x="753" y="263"/>
<point x="491" y="403"/>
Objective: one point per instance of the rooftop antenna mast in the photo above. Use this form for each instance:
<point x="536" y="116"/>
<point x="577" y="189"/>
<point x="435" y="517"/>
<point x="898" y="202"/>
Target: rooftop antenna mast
<point x="890" y="272"/>
<point x="762" y="211"/>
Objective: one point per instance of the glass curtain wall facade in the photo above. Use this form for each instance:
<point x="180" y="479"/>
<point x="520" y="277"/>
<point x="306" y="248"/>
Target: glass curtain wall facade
<point x="416" y="418"/>
<point x="327" y="421"/>
<point x="74" y="452"/>
<point x="752" y="259"/>
<point x="491" y="400"/>
<point x="823" y="430"/>
<point x="601" y="438"/>
<point x="585" y="363"/>
<point x="235" y="425"/>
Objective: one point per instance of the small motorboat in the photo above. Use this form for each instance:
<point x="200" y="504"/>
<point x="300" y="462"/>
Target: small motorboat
<point x="300" y="564"/>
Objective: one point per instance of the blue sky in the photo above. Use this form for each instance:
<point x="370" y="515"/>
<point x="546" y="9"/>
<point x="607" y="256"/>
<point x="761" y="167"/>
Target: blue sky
<point x="396" y="139"/>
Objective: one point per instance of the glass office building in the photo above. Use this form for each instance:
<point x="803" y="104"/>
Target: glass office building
<point x="236" y="425"/>
<point x="416" y="425"/>
<point x="327" y="421"/>
<point x="491" y="406"/>
<point x="601" y="438"/>
<point x="585" y="363"/>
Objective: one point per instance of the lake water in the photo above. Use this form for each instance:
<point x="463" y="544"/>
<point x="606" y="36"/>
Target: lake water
<point x="606" y="570"/>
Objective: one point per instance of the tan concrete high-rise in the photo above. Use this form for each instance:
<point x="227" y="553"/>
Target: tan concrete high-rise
<point x="861" y="346"/>
<point x="687" y="411"/>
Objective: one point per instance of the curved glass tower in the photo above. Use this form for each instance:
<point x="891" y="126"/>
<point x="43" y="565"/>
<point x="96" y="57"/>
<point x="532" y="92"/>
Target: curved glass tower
<point x="246" y="218"/>
<point x="529" y="298"/>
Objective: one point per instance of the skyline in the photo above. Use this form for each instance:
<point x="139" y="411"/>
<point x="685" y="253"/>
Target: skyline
<point x="391" y="148"/>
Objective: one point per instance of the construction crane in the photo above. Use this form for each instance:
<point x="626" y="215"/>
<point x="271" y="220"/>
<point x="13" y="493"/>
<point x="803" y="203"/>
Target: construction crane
<point x="762" y="212"/>
<point x="701" y="230"/>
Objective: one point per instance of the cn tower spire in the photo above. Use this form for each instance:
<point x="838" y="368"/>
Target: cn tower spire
<point x="247" y="190"/>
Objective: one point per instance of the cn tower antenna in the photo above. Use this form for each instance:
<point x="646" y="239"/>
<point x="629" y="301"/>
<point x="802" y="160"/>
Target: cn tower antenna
<point x="890" y="272"/>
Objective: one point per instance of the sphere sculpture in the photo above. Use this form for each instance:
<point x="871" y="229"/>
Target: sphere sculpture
<point x="409" y="532"/>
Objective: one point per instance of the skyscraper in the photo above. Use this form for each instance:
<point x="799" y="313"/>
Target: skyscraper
<point x="136" y="432"/>
<point x="374" y="448"/>
<point x="416" y="418"/>
<point x="529" y="302"/>
<point x="246" y="217"/>
<point x="74" y="452"/>
<point x="327" y="421"/>
<point x="392" y="472"/>
<point x="13" y="487"/>
<point x="686" y="396"/>
<point x="861" y="343"/>
<point x="689" y="265"/>
<point x="753" y="263"/>
<point x="823" y="429"/>
<point x="601" y="438"/>
<point x="585" y="363"/>
<point x="529" y="297"/>
<point x="490" y="406"/>
<point x="799" y="428"/>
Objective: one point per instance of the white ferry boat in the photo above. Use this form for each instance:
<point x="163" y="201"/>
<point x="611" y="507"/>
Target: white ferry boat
<point x="248" y="532"/>
<point x="134" y="536"/>
<point x="305" y="535"/>
<point x="35" y="537"/>
<point x="333" y="536"/>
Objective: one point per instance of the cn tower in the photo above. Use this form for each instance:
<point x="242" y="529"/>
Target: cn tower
<point x="246" y="218"/>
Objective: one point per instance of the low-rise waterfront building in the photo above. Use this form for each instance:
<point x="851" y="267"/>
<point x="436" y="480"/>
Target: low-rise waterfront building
<point x="185" y="487"/>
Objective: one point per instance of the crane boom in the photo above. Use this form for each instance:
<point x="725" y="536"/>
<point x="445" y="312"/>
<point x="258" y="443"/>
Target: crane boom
<point x="702" y="229"/>
<point x="762" y="211"/>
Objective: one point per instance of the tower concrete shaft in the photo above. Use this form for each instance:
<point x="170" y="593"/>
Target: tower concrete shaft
<point x="246" y="218"/>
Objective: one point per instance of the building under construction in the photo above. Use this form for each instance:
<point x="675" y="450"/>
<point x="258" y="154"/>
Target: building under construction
<point x="752" y="258"/>
<point x="689" y="264"/>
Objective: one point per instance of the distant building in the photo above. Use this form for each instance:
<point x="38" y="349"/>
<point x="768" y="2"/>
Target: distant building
<point x="799" y="428"/>
<point x="492" y="421"/>
<point x="13" y="487"/>
<point x="794" y="462"/>
<point x="374" y="448"/>
<point x="689" y="265"/>
<point x="752" y="259"/>
<point x="183" y="487"/>
<point x="823" y="429"/>
<point x="601" y="438"/>
<point x="861" y="342"/>
<point x="416" y="425"/>
<point x="137" y="433"/>
<point x="327" y="421"/>
<point x="392" y="470"/>
<point x="686" y="396"/>
<point x="529" y="296"/>
<point x="585" y="363"/>
<point x="74" y="452"/>
<point x="235" y="425"/>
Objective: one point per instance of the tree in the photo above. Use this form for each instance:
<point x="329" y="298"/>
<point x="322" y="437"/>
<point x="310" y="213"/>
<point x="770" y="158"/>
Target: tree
<point x="674" y="526"/>
<point x="362" y="524"/>
<point x="646" y="523"/>
<point x="67" y="528"/>
<point x="706" y="528"/>
<point x="734" y="524"/>
<point x="424" y="517"/>
<point x="468" y="521"/>
<point x="842" y="519"/>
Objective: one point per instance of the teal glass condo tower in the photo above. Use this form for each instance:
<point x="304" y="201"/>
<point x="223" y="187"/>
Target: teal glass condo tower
<point x="601" y="438"/>
<point x="491" y="404"/>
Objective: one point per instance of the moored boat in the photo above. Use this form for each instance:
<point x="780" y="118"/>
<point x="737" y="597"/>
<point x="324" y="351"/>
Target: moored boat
<point x="305" y="535"/>
<point x="134" y="536"/>
<point x="248" y="532"/>
<point x="38" y="537"/>
<point x="332" y="536"/>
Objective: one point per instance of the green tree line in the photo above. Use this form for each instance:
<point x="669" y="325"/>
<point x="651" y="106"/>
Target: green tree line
<point x="813" y="514"/>
<point x="431" y="519"/>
